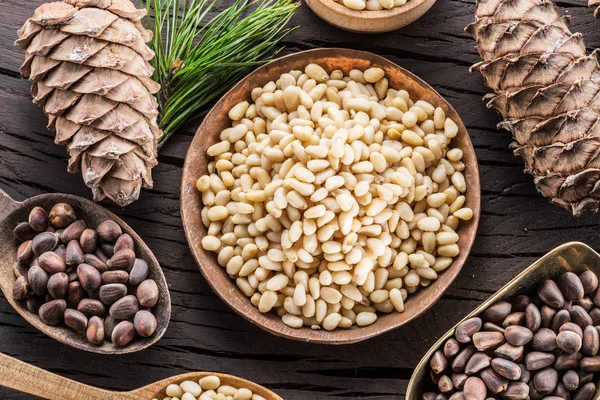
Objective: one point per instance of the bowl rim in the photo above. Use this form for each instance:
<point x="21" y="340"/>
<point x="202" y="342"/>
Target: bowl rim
<point x="387" y="20"/>
<point x="191" y="203"/>
<point x="501" y="294"/>
<point x="226" y="379"/>
<point x="369" y="15"/>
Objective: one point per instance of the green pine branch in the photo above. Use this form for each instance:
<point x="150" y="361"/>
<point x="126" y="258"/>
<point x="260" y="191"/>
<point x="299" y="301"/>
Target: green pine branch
<point x="200" y="58"/>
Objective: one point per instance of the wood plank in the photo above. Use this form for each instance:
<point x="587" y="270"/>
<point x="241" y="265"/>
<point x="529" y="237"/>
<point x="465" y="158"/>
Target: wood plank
<point x="517" y="227"/>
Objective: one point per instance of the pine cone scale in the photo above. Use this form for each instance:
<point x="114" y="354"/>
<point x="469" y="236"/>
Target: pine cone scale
<point x="548" y="93"/>
<point x="88" y="61"/>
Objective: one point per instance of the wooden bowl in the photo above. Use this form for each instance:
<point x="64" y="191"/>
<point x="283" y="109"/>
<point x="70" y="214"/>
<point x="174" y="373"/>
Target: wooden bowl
<point x="573" y="257"/>
<point x="13" y="212"/>
<point x="217" y="120"/>
<point x="366" y="21"/>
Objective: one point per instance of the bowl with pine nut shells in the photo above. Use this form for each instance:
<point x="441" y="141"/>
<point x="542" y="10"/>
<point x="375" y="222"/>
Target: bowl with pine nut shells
<point x="370" y="16"/>
<point x="331" y="196"/>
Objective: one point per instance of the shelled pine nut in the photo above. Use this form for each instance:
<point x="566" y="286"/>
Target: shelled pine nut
<point x="207" y="388"/>
<point x="337" y="201"/>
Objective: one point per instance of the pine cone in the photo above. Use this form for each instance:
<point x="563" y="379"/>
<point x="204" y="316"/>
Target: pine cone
<point x="548" y="93"/>
<point x="88" y="61"/>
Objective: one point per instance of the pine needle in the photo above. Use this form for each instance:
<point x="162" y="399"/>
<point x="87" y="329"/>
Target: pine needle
<point x="199" y="58"/>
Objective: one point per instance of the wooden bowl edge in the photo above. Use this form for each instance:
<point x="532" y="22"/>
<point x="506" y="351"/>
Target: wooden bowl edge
<point x="190" y="201"/>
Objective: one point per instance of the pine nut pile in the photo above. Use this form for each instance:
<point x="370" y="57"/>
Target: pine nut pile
<point x="372" y="5"/>
<point x="333" y="197"/>
<point x="208" y="388"/>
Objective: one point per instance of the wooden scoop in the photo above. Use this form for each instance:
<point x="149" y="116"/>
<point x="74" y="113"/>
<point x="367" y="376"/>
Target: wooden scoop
<point x="26" y="378"/>
<point x="13" y="212"/>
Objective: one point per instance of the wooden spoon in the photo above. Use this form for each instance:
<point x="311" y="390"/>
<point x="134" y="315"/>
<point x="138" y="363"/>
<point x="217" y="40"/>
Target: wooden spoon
<point x="26" y="378"/>
<point x="13" y="212"/>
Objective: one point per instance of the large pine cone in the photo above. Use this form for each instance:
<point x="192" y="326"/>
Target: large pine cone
<point x="89" y="63"/>
<point x="548" y="92"/>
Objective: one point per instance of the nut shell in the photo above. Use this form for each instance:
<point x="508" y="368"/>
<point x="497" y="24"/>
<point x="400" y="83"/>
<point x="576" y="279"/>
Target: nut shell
<point x="73" y="231"/>
<point x="589" y="280"/>
<point x="550" y="294"/>
<point x="147" y="293"/>
<point x="58" y="285"/>
<point x="38" y="280"/>
<point x="474" y="389"/>
<point x="75" y="293"/>
<point x="43" y="242"/>
<point x="570" y="285"/>
<point x="586" y="392"/>
<point x="52" y="263"/>
<point x="112" y="292"/>
<point x="25" y="252"/>
<point x="591" y="341"/>
<point x="23" y="232"/>
<point x="571" y="380"/>
<point x="125" y="307"/>
<point x="91" y="307"/>
<point x="506" y="368"/>
<point x="533" y="317"/>
<point x="139" y="272"/>
<point x="96" y="262"/>
<point x="477" y="362"/>
<point x="21" y="288"/>
<point x="123" y="260"/>
<point x="125" y="241"/>
<point x="95" y="331"/>
<point x="518" y="335"/>
<point x="74" y="254"/>
<point x="545" y="381"/>
<point x="123" y="333"/>
<point x="493" y="381"/>
<point x="144" y="323"/>
<point x="538" y="360"/>
<point x="62" y="215"/>
<point x="75" y="320"/>
<point x="109" y="231"/>
<point x="465" y="330"/>
<point x="52" y="313"/>
<point x="38" y="219"/>
<point x="89" y="277"/>
<point x="497" y="312"/>
<point x="34" y="303"/>
<point x="115" y="276"/>
<point x="88" y="241"/>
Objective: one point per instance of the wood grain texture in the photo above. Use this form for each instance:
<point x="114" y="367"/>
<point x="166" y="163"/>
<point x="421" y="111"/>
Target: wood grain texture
<point x="196" y="165"/>
<point x="517" y="227"/>
<point x="13" y="212"/>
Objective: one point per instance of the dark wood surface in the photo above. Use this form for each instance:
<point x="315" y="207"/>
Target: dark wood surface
<point x="517" y="227"/>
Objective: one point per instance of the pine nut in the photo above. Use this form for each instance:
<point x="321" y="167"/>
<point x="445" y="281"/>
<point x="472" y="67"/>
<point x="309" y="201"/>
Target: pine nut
<point x="331" y="321"/>
<point x="330" y="192"/>
<point x="292" y="321"/>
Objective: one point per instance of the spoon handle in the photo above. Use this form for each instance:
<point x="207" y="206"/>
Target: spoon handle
<point x="26" y="378"/>
<point x="7" y="204"/>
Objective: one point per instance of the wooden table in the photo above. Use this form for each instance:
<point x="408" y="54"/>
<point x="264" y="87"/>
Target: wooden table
<point x="517" y="227"/>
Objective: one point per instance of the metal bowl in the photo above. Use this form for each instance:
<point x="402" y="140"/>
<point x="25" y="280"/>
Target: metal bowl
<point x="575" y="257"/>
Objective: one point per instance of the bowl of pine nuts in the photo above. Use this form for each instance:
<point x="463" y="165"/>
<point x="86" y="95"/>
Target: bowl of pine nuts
<point x="331" y="196"/>
<point x="370" y="16"/>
